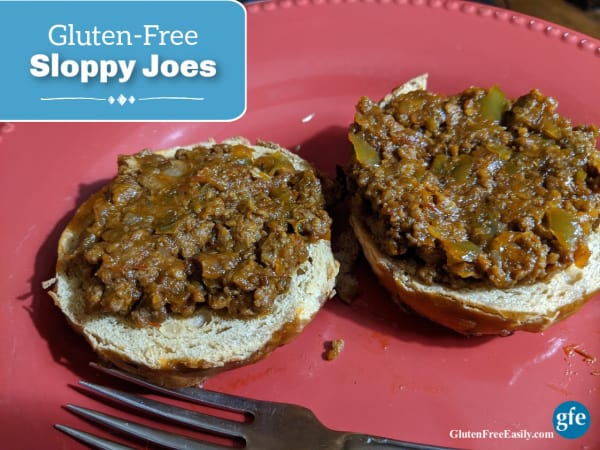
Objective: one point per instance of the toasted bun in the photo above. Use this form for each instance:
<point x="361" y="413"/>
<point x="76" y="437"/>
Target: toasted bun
<point x="480" y="309"/>
<point x="184" y="351"/>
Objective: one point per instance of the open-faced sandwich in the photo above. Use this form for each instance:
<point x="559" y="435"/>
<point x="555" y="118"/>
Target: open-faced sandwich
<point x="475" y="210"/>
<point x="195" y="260"/>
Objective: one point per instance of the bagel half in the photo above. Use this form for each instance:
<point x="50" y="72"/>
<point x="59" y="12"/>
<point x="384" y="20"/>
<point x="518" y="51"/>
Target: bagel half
<point x="184" y="351"/>
<point x="479" y="309"/>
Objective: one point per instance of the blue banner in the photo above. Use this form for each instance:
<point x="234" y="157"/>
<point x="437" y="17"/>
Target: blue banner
<point x="122" y="60"/>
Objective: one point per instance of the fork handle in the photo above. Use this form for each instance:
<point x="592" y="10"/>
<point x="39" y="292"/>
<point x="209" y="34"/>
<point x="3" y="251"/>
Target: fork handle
<point x="353" y="441"/>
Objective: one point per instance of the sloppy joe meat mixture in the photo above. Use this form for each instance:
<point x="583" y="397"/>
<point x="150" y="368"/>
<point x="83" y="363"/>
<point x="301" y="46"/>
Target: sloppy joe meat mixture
<point x="476" y="187"/>
<point x="211" y="227"/>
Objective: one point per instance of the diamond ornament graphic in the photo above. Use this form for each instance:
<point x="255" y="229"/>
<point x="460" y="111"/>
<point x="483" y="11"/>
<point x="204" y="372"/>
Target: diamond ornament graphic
<point x="122" y="99"/>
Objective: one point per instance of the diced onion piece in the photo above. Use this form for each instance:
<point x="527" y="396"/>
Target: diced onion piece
<point x="274" y="163"/>
<point x="461" y="256"/>
<point x="435" y="232"/>
<point x="551" y="129"/>
<point x="501" y="150"/>
<point x="463" y="168"/>
<point x="439" y="164"/>
<point x="465" y="251"/>
<point x="365" y="154"/>
<point x="565" y="227"/>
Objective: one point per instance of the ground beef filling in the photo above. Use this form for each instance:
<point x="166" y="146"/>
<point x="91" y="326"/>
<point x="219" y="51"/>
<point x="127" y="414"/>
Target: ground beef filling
<point x="476" y="187"/>
<point x="210" y="227"/>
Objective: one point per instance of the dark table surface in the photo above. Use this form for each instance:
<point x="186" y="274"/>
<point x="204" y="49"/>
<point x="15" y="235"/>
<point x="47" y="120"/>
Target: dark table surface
<point x="578" y="15"/>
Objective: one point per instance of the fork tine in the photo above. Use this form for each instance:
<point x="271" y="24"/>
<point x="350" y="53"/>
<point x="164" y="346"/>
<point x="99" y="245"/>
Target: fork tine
<point x="90" y="439"/>
<point x="176" y="414"/>
<point x="159" y="437"/>
<point x="193" y="394"/>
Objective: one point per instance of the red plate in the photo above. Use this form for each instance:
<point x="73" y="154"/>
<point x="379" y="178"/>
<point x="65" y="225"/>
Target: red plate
<point x="398" y="376"/>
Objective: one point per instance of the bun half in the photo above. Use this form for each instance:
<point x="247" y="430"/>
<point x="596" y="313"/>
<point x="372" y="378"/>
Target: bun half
<point x="479" y="308"/>
<point x="184" y="351"/>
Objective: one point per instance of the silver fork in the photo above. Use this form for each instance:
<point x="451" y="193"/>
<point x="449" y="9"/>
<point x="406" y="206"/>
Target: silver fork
<point x="274" y="426"/>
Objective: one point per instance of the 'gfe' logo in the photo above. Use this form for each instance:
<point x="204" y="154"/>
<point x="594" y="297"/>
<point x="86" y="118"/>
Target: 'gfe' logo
<point x="571" y="419"/>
